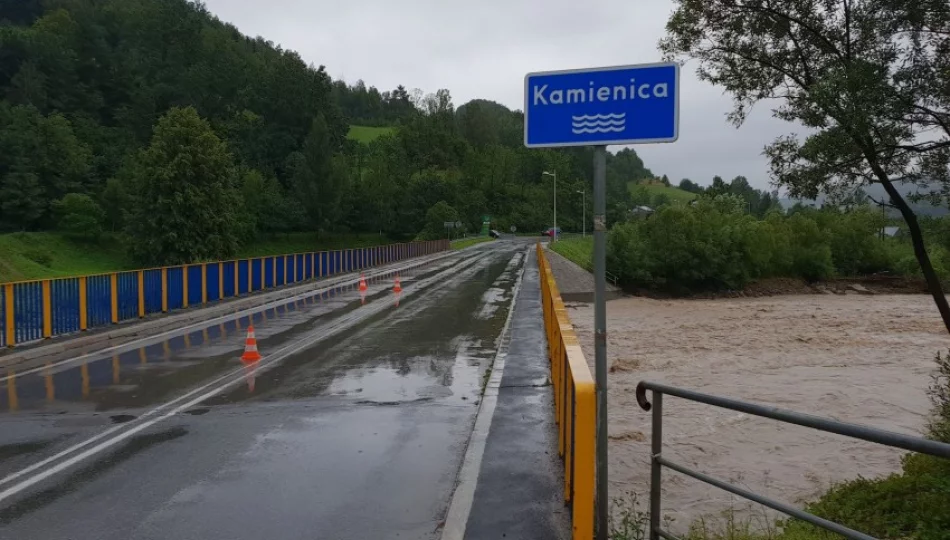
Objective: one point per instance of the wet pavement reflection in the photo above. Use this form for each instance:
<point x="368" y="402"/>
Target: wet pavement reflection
<point x="149" y="374"/>
<point x="363" y="400"/>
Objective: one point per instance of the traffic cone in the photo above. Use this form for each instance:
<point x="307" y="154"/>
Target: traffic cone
<point x="363" y="286"/>
<point x="250" y="347"/>
<point x="397" y="288"/>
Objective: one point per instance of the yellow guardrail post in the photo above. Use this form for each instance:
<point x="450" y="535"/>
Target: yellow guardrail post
<point x="273" y="265"/>
<point x="47" y="309"/>
<point x="164" y="290"/>
<point x="83" y="305"/>
<point x="204" y="283"/>
<point x="285" y="269"/>
<point x="184" y="286"/>
<point x="574" y="402"/>
<point x="9" y="316"/>
<point x="141" y="280"/>
<point x="250" y="276"/>
<point x="237" y="278"/>
<point x="220" y="281"/>
<point x="114" y="294"/>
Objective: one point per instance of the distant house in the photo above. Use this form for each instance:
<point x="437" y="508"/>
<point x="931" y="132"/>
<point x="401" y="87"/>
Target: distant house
<point x="641" y="212"/>
<point x="891" y="232"/>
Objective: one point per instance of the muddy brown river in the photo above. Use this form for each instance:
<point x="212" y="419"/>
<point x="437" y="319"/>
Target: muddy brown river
<point x="864" y="359"/>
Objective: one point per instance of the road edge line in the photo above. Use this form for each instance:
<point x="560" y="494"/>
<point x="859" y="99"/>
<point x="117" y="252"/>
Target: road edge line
<point x="463" y="497"/>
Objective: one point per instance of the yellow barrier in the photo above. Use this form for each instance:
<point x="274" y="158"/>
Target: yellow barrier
<point x="574" y="404"/>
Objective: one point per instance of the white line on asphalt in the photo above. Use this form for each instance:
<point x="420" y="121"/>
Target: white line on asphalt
<point x="140" y="423"/>
<point x="456" y="518"/>
<point x="158" y="338"/>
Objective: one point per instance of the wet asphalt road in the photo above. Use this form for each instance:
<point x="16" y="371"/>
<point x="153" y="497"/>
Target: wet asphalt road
<point x="352" y="427"/>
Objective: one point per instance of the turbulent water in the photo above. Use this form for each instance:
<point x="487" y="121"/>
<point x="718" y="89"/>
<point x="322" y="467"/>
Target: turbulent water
<point x="864" y="359"/>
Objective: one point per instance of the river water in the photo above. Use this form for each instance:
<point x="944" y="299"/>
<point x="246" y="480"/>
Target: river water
<point x="864" y="359"/>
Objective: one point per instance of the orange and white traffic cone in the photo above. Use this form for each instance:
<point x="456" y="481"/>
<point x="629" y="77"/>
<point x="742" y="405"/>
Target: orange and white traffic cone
<point x="397" y="288"/>
<point x="363" y="286"/>
<point x="250" y="347"/>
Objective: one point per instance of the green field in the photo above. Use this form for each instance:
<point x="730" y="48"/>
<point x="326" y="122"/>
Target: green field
<point x="368" y="134"/>
<point x="39" y="255"/>
<point x="675" y="194"/>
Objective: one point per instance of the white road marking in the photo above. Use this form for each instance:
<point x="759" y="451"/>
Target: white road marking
<point x="236" y="375"/>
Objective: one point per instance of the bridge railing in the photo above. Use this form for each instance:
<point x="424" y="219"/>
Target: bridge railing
<point x="41" y="309"/>
<point x="855" y="431"/>
<point x="573" y="404"/>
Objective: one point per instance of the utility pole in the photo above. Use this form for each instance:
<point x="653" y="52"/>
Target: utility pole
<point x="583" y="213"/>
<point x="600" y="333"/>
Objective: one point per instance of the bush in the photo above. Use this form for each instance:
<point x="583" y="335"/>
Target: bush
<point x="711" y="245"/>
<point x="853" y="239"/>
<point x="79" y="216"/>
<point x="440" y="213"/>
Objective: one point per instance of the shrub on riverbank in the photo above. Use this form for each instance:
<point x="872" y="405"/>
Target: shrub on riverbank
<point x="714" y="245"/>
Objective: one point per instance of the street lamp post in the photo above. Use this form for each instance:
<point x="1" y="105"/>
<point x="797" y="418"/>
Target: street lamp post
<point x="554" y="234"/>
<point x="583" y="214"/>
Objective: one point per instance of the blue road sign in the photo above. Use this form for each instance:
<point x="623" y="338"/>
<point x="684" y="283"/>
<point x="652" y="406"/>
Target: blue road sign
<point x="612" y="105"/>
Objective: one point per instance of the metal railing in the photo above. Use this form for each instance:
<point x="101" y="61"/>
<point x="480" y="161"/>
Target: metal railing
<point x="574" y="405"/>
<point x="856" y="431"/>
<point x="34" y="310"/>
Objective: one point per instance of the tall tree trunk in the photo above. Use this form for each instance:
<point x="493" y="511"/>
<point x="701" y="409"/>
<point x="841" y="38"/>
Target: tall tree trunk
<point x="917" y="239"/>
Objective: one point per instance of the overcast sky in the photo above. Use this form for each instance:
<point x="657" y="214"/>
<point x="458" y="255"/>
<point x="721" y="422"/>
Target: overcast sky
<point x="483" y="49"/>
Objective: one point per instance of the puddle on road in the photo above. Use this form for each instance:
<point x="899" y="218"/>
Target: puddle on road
<point x="150" y="374"/>
<point x="432" y="347"/>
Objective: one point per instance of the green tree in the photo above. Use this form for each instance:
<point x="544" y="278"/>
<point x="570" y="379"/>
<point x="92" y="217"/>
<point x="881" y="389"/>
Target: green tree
<point x="688" y="185"/>
<point x="869" y="79"/>
<point x="660" y="199"/>
<point x="44" y="149"/>
<point x="184" y="195"/>
<point x="115" y="200"/>
<point x="436" y="218"/>
<point x="319" y="176"/>
<point x="79" y="216"/>
<point x="21" y="199"/>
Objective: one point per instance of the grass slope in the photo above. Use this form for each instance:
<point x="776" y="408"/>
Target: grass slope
<point x="367" y="134"/>
<point x="675" y="194"/>
<point x="580" y="251"/>
<point x="25" y="256"/>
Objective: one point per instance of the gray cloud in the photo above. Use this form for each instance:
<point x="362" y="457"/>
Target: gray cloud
<point x="483" y="50"/>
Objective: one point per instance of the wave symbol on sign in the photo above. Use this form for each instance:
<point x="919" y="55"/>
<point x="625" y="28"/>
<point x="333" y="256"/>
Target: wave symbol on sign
<point x="599" y="123"/>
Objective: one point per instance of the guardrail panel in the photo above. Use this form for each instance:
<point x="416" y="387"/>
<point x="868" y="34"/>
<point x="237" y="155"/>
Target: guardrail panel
<point x="28" y="307"/>
<point x="32" y="310"/>
<point x="243" y="276"/>
<point x="128" y="299"/>
<point x="65" y="305"/>
<point x="153" y="291"/>
<point x="99" y="300"/>
<point x="230" y="279"/>
<point x="212" y="283"/>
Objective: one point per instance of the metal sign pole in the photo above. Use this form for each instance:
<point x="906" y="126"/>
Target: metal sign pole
<point x="600" y="332"/>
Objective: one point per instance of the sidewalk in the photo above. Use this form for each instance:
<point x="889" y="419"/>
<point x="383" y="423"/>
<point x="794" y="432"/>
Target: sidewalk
<point x="520" y="490"/>
<point x="574" y="283"/>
